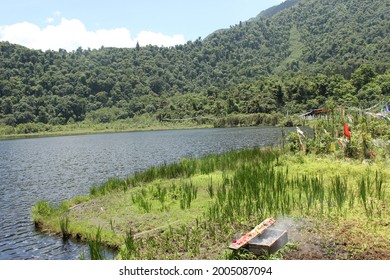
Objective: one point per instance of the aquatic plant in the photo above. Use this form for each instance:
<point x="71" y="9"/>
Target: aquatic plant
<point x="42" y="208"/>
<point x="64" y="225"/>
<point x="95" y="245"/>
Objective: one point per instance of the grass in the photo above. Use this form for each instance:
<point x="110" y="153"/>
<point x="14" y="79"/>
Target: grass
<point x="64" y="225"/>
<point x="296" y="50"/>
<point x="95" y="246"/>
<point x="192" y="209"/>
<point x="83" y="128"/>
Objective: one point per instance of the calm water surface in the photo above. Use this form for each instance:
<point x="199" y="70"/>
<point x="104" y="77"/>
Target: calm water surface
<point x="59" y="168"/>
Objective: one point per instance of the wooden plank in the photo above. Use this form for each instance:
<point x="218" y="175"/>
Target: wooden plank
<point x="259" y="229"/>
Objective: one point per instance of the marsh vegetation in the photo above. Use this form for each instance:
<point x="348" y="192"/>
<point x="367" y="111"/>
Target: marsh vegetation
<point x="193" y="208"/>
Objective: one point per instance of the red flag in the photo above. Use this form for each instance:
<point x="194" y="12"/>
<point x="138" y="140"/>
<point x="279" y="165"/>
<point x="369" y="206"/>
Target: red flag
<point x="346" y="131"/>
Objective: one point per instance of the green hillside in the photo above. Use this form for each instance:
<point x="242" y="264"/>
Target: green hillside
<point x="291" y="58"/>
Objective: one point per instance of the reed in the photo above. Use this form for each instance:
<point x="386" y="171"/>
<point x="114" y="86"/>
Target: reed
<point x="142" y="200"/>
<point x="131" y="248"/>
<point x="379" y="189"/>
<point x="112" y="225"/>
<point x="195" y="240"/>
<point x="189" y="192"/>
<point x="339" y="190"/>
<point x="363" y="191"/>
<point x="41" y="209"/>
<point x="209" y="164"/>
<point x="93" y="191"/>
<point x="366" y="195"/>
<point x="161" y="196"/>
<point x="351" y="201"/>
<point x="253" y="189"/>
<point x="112" y="184"/>
<point x="64" y="225"/>
<point x="261" y="190"/>
<point x="186" y="168"/>
<point x="95" y="246"/>
<point x="210" y="188"/>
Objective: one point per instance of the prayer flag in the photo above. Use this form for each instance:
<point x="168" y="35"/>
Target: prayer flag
<point x="346" y="131"/>
<point x="300" y="132"/>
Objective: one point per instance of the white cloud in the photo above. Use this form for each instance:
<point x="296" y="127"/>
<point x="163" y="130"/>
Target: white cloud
<point x="71" y="34"/>
<point x="151" y="38"/>
<point x="49" y="20"/>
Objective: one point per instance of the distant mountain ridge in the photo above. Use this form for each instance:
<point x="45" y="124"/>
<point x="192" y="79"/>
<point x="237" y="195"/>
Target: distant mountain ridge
<point x="266" y="13"/>
<point x="278" y="8"/>
<point x="294" y="56"/>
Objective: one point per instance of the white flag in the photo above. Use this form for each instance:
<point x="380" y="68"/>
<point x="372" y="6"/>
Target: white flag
<point x="300" y="132"/>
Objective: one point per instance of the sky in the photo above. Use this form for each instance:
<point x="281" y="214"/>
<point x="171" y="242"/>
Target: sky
<point x="69" y="24"/>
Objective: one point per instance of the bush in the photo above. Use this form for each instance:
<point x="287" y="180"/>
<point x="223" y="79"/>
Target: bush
<point x="249" y="120"/>
<point x="294" y="143"/>
<point x="42" y="208"/>
<point x="7" y="130"/>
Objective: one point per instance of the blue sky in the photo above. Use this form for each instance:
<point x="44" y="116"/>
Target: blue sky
<point x="53" y="24"/>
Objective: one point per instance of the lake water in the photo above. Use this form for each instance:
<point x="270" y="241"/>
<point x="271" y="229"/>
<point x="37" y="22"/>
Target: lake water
<point x="58" y="168"/>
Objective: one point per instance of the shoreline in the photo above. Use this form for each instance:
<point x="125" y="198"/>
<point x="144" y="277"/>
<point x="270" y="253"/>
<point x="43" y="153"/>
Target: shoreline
<point x="76" y="132"/>
<point x="84" y="128"/>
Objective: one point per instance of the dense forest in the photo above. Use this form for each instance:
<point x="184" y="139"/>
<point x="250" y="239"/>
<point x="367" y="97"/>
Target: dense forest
<point x="289" y="59"/>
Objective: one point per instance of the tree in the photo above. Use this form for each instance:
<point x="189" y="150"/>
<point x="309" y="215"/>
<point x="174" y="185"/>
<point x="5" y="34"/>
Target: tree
<point x="362" y="76"/>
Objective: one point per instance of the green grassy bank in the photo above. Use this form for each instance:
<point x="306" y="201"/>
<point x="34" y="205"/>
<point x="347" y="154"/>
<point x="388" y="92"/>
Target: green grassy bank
<point x="142" y="123"/>
<point x="44" y="130"/>
<point x="332" y="207"/>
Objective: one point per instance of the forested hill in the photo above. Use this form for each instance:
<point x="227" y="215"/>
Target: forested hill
<point x="276" y="9"/>
<point x="295" y="58"/>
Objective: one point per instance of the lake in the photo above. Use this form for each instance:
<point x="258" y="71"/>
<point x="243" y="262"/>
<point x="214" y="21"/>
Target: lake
<point x="58" y="168"/>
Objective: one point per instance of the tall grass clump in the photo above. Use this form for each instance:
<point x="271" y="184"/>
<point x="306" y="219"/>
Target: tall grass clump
<point x="339" y="191"/>
<point x="185" y="168"/>
<point x="95" y="245"/>
<point x="261" y="188"/>
<point x="142" y="200"/>
<point x="64" y="225"/>
<point x="189" y="192"/>
<point x="380" y="191"/>
<point x="308" y="193"/>
<point x="318" y="187"/>
<point x="41" y="209"/>
<point x="162" y="196"/>
<point x="255" y="188"/>
<point x="210" y="188"/>
<point x="111" y="185"/>
<point x="131" y="248"/>
<point x="366" y="192"/>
